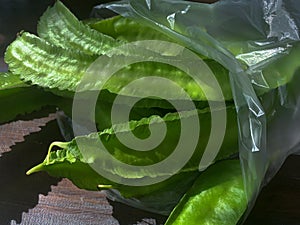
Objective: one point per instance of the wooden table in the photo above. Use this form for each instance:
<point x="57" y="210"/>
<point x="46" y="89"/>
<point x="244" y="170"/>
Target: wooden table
<point x="41" y="199"/>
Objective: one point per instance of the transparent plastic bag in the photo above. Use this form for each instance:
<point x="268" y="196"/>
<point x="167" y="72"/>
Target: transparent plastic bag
<point x="246" y="37"/>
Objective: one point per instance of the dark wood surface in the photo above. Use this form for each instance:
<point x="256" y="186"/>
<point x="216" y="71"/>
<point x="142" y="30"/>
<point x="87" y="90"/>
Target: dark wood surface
<point x="41" y="199"/>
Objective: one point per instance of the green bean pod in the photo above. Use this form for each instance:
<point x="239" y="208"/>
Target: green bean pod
<point x="68" y="155"/>
<point x="216" y="198"/>
<point x="60" y="27"/>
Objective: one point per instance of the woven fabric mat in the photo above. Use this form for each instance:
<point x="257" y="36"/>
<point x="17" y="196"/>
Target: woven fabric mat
<point x="13" y="132"/>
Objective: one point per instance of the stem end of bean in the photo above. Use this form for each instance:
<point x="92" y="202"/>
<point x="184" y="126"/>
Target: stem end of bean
<point x="35" y="169"/>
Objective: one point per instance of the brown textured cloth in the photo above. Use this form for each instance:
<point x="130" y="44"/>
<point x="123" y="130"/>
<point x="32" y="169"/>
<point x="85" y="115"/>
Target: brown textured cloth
<point x="13" y="132"/>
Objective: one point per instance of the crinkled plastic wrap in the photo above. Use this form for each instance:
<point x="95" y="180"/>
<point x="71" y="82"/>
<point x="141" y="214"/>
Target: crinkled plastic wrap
<point x="246" y="37"/>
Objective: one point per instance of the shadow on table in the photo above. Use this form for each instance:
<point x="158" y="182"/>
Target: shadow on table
<point x="19" y="192"/>
<point x="128" y="215"/>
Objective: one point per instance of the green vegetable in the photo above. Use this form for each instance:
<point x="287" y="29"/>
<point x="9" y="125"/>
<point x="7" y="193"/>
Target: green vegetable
<point x="49" y="66"/>
<point x="19" y="98"/>
<point x="63" y="69"/>
<point x="41" y="63"/>
<point x="216" y="198"/>
<point x="69" y="152"/>
<point x="9" y="81"/>
<point x="60" y="27"/>
<point x="274" y="74"/>
<point x="280" y="71"/>
<point x="127" y="30"/>
<point x="67" y="159"/>
<point x="54" y="64"/>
